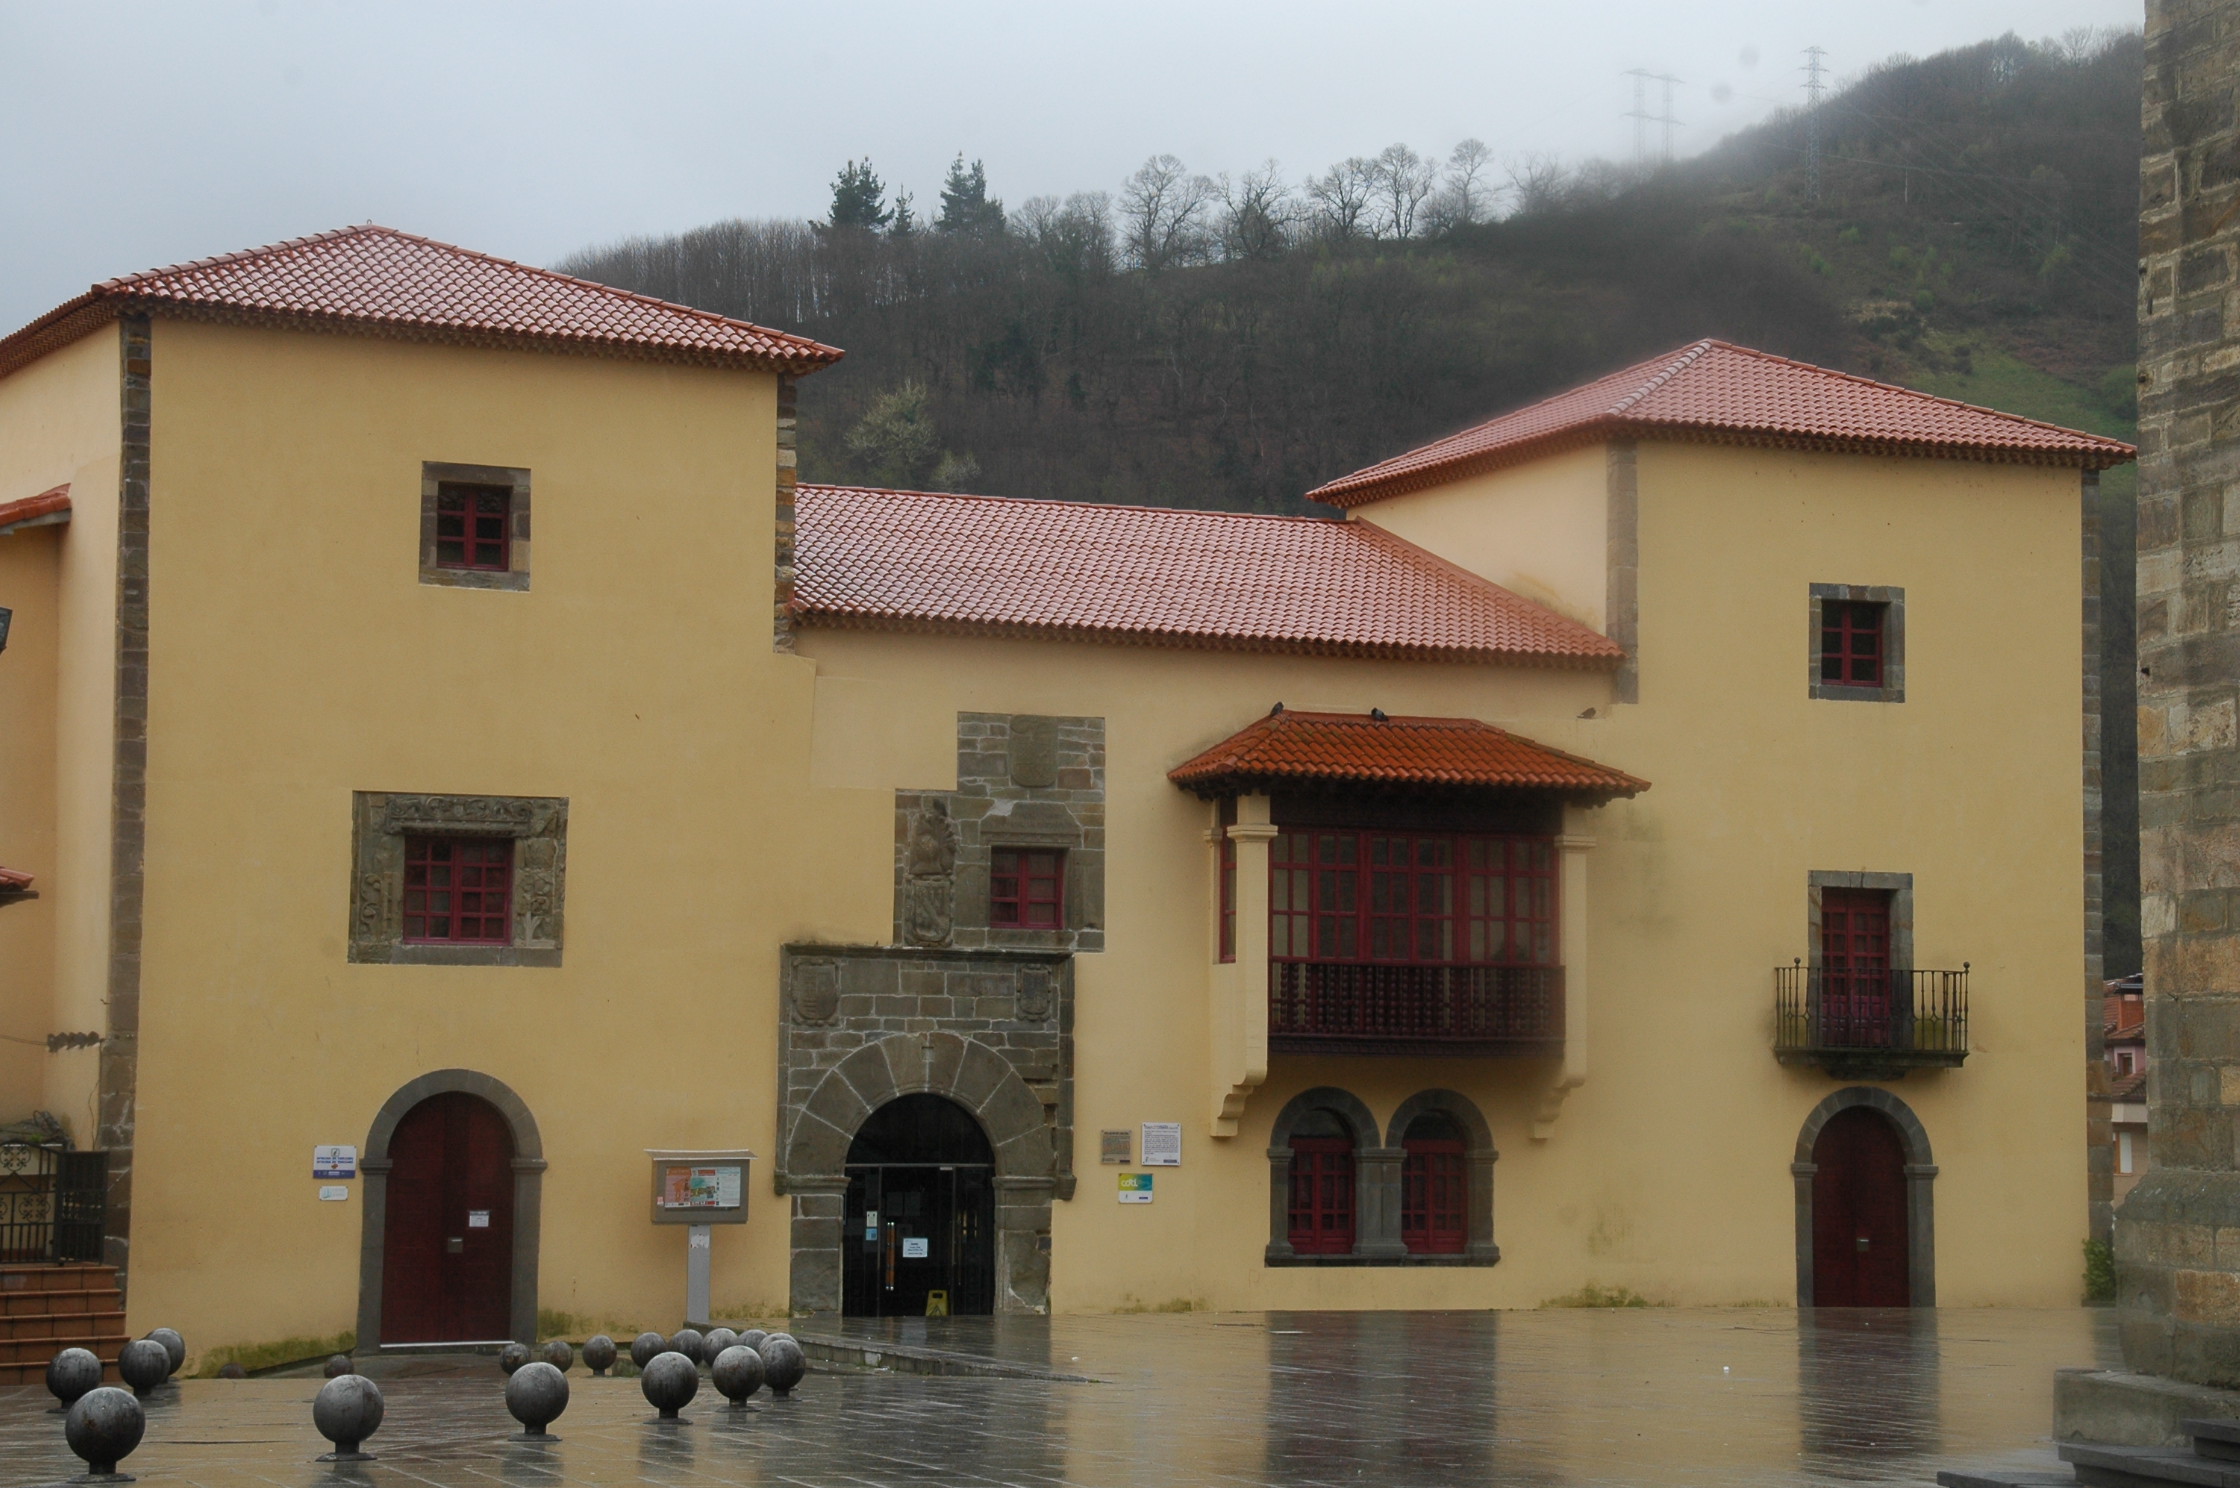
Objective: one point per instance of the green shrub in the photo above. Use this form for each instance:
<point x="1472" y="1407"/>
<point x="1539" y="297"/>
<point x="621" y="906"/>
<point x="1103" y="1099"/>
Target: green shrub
<point x="280" y="1351"/>
<point x="2099" y="1272"/>
<point x="1595" y="1295"/>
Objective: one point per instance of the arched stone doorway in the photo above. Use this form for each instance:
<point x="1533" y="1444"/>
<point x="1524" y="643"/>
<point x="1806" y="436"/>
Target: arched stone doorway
<point x="1865" y="1198"/>
<point x="921" y="1212"/>
<point x="1010" y="1117"/>
<point x="453" y="1169"/>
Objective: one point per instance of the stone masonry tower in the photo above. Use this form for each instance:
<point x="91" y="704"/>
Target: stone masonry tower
<point x="2178" y="1235"/>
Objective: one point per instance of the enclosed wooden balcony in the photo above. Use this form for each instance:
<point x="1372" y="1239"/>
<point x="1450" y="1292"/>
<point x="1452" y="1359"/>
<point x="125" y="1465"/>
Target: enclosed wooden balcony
<point x="1871" y="1024"/>
<point x="1364" y="1007"/>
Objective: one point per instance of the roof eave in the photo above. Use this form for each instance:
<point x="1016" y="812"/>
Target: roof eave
<point x="1215" y="784"/>
<point x="71" y="321"/>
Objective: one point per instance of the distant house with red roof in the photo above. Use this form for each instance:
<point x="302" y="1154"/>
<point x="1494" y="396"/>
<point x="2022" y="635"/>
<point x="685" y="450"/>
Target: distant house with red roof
<point x="1671" y="789"/>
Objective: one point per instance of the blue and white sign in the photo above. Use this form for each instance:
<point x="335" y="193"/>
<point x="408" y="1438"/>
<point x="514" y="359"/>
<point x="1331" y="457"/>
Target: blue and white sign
<point x="334" y="1162"/>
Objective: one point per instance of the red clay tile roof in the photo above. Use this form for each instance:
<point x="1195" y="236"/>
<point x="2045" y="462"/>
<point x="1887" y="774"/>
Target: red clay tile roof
<point x="378" y="281"/>
<point x="14" y="881"/>
<point x="2128" y="1089"/>
<point x="1721" y="394"/>
<point x="1358" y="749"/>
<point x="985" y="565"/>
<point x="43" y="510"/>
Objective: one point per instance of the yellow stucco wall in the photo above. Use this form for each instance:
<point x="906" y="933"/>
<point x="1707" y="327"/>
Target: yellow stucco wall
<point x="61" y="421"/>
<point x="726" y="800"/>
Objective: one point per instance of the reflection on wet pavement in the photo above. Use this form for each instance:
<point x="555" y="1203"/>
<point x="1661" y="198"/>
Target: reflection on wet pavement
<point x="1716" y="1398"/>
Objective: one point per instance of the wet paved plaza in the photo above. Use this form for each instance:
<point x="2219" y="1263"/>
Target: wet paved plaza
<point x="1557" y="1398"/>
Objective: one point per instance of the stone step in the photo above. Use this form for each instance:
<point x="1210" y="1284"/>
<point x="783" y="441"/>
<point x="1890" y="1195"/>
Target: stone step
<point x="73" y="1276"/>
<point x="2146" y="1467"/>
<point x="67" y="1325"/>
<point x="24" y="1373"/>
<point x="58" y="1304"/>
<point x="39" y="1350"/>
<point x="2000" y="1478"/>
<point x="2212" y="1438"/>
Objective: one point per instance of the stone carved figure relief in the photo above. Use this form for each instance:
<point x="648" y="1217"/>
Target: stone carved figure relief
<point x="1035" y="993"/>
<point x="816" y="991"/>
<point x="1034" y="752"/>
<point x="930" y="875"/>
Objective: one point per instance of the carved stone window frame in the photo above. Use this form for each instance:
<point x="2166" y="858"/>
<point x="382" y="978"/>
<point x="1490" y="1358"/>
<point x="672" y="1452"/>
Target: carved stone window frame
<point x="380" y="822"/>
<point x="1893" y="602"/>
<point x="433" y="475"/>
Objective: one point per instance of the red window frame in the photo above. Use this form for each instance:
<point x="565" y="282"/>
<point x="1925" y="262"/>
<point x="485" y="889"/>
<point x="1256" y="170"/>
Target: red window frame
<point x="1321" y="1201"/>
<point x="1228" y="896"/>
<point x="1853" y="642"/>
<point x="1412" y="898"/>
<point x="1434" y="1196"/>
<point x="458" y="890"/>
<point x="474" y="527"/>
<point x="1027" y="888"/>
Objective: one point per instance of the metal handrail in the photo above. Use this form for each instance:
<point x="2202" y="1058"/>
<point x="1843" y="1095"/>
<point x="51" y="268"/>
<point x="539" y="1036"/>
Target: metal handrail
<point x="1901" y="1010"/>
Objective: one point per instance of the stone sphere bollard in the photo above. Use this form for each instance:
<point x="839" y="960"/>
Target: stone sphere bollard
<point x="738" y="1373"/>
<point x="598" y="1354"/>
<point x="348" y="1410"/>
<point x="783" y="1363"/>
<point x="536" y="1395"/>
<point x="103" y="1427"/>
<point x="144" y="1363"/>
<point x="670" y="1380"/>
<point x="173" y="1345"/>
<point x="338" y="1365"/>
<point x="70" y="1374"/>
<point x="558" y="1354"/>
<point x="645" y="1347"/>
<point x="753" y="1337"/>
<point x="715" y="1342"/>
<point x="231" y="1369"/>
<point x="688" y="1342"/>
<point x="513" y="1356"/>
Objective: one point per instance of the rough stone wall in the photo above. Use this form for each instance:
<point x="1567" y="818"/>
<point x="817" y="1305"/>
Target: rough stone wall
<point x="2178" y="1234"/>
<point x="1023" y="780"/>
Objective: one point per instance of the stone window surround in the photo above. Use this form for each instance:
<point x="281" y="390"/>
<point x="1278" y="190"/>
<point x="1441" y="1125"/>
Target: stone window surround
<point x="1899" y="886"/>
<point x="1921" y="1192"/>
<point x="380" y="822"/>
<point x="1377" y="1173"/>
<point x="1893" y="601"/>
<point x="435" y="473"/>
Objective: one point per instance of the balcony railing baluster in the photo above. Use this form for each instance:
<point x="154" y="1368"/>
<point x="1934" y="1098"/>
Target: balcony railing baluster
<point x="1857" y="1023"/>
<point x="1380" y="1007"/>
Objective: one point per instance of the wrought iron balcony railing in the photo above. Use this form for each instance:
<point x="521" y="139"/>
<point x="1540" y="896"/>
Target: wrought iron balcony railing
<point x="53" y="1204"/>
<point x="1369" y="1007"/>
<point x="1870" y="1024"/>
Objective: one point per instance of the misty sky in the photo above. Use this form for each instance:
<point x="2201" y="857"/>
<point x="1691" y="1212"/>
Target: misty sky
<point x="134" y="135"/>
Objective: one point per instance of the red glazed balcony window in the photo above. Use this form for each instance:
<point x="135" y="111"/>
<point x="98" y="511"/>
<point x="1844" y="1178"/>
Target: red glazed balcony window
<point x="1027" y="888"/>
<point x="1852" y="643"/>
<point x="458" y="890"/>
<point x="1321" y="1195"/>
<point x="473" y="527"/>
<point x="1414" y="898"/>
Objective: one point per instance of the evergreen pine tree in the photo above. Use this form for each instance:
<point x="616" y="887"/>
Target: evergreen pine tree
<point x="859" y="199"/>
<point x="965" y="204"/>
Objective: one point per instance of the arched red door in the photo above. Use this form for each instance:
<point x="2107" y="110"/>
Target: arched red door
<point x="447" y="1243"/>
<point x="1859" y="1240"/>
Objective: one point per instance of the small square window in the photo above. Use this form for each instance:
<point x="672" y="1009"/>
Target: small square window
<point x="1851" y="649"/>
<point x="458" y="890"/>
<point x="1858" y="643"/>
<point x="472" y="525"/>
<point x="1027" y="888"/>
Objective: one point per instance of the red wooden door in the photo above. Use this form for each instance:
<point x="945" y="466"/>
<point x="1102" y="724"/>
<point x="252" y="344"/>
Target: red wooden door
<point x="447" y="1247"/>
<point x="1855" y="1004"/>
<point x="1859" y="1249"/>
<point x="1321" y="1195"/>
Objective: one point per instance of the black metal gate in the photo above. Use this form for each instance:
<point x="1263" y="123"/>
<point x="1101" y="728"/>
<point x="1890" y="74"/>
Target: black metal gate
<point x="53" y="1204"/>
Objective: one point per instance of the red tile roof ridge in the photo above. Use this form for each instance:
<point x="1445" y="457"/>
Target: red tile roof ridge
<point x="1480" y="446"/>
<point x="845" y="489"/>
<point x="76" y="316"/>
<point x="1287" y="746"/>
<point x="48" y="508"/>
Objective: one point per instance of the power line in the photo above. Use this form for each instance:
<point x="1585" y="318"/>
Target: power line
<point x="1642" y="118"/>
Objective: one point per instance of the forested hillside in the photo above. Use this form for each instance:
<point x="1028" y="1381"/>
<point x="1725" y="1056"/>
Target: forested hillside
<point x="1233" y="341"/>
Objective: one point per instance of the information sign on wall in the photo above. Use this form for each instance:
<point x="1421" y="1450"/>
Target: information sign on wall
<point x="1135" y="1188"/>
<point x="334" y="1162"/>
<point x="915" y="1247"/>
<point x="1162" y="1144"/>
<point x="1116" y="1146"/>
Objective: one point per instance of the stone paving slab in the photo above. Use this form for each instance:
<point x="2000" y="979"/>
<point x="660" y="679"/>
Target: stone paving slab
<point x="1717" y="1398"/>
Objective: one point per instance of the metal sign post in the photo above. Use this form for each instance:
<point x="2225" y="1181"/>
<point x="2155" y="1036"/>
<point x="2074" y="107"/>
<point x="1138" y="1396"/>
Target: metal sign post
<point x="699" y="1190"/>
